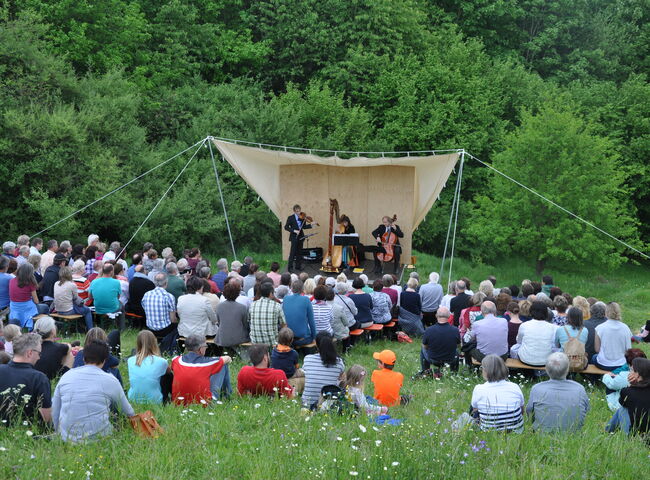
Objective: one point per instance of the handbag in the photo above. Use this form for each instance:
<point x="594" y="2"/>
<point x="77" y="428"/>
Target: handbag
<point x="145" y="425"/>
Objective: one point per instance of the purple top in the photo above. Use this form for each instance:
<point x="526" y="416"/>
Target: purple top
<point x="491" y="335"/>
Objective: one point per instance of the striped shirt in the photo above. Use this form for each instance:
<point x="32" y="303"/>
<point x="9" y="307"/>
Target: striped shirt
<point x="323" y="317"/>
<point x="317" y="376"/>
<point x="265" y="317"/>
<point x="158" y="304"/>
<point x="82" y="284"/>
<point x="499" y="406"/>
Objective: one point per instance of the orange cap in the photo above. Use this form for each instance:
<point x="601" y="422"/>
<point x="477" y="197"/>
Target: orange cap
<point x="386" y="357"/>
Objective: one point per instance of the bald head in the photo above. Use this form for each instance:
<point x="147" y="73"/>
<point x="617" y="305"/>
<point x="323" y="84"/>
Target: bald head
<point x="488" y="308"/>
<point x="443" y="314"/>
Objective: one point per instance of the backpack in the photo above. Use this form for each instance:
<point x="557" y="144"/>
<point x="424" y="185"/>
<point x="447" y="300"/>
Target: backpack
<point x="575" y="350"/>
<point x="334" y="400"/>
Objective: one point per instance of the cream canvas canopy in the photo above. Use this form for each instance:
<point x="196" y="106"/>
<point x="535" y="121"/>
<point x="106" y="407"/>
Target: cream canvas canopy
<point x="366" y="188"/>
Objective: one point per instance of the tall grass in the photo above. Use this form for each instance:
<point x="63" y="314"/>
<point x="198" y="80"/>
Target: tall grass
<point x="263" y="438"/>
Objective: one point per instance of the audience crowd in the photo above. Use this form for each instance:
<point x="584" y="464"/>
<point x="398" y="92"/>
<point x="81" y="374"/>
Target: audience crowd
<point x="274" y="319"/>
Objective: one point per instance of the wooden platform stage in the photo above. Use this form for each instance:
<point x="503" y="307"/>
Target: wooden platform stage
<point x="313" y="269"/>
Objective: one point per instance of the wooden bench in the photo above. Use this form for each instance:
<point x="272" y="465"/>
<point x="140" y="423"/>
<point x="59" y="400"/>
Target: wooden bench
<point x="514" y="363"/>
<point x="67" y="321"/>
<point x="137" y="321"/>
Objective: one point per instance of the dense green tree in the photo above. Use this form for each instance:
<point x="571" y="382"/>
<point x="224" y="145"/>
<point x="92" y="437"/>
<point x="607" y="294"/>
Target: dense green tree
<point x="556" y="154"/>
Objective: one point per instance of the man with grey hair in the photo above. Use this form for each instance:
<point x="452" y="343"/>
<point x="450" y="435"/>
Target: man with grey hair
<point x="9" y="249"/>
<point x="23" y="254"/>
<point x="460" y="301"/>
<point x="597" y="311"/>
<point x="24" y="391"/>
<point x="113" y="251"/>
<point x="197" y="378"/>
<point x="158" y="266"/>
<point x="235" y="268"/>
<point x="175" y="284"/>
<point x="439" y="344"/>
<point x="430" y="296"/>
<point x="490" y="333"/>
<point x="245" y="268"/>
<point x="558" y="404"/>
<point x="222" y="273"/>
<point x="160" y="308"/>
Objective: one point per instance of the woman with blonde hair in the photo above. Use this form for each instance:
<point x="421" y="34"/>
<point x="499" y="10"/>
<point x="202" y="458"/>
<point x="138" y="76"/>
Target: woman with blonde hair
<point x="309" y="286"/>
<point x="613" y="338"/>
<point x="582" y="304"/>
<point x="147" y="370"/>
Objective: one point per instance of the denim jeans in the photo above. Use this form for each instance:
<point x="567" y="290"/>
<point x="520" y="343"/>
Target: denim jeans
<point x="220" y="384"/>
<point x="594" y="360"/>
<point x="425" y="362"/>
<point x="620" y="419"/>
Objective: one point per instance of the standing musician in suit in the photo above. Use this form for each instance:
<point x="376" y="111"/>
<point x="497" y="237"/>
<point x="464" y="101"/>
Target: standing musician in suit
<point x="295" y="226"/>
<point x="386" y="227"/>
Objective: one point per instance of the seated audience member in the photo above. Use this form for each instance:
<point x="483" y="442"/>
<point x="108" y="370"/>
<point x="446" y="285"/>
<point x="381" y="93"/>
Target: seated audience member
<point x="560" y="313"/>
<point x="204" y="274"/>
<point x="118" y="274"/>
<point x="138" y="286"/>
<point x="386" y="381"/>
<point x="322" y="311"/>
<point x="501" y="302"/>
<point x="547" y="284"/>
<point x="105" y="291"/>
<point x="498" y="403"/>
<point x="222" y="273"/>
<point x="249" y="279"/>
<point x="644" y="334"/>
<point x="573" y="328"/>
<point x="354" y="382"/>
<point x="67" y="300"/>
<point x="487" y="288"/>
<point x="175" y="284"/>
<point x="213" y="298"/>
<point x="160" y="308"/>
<point x="321" y="369"/>
<point x="25" y="393"/>
<point x="10" y="333"/>
<point x="265" y="317"/>
<point x="513" y="324"/>
<point x="597" y="317"/>
<point x="147" y="371"/>
<point x="583" y="304"/>
<point x="157" y="266"/>
<point x="37" y="246"/>
<point x="460" y="301"/>
<point x="286" y="359"/>
<point x="535" y="338"/>
<point x="381" y="303"/>
<point x="431" y="296"/>
<point x="274" y="275"/>
<point x="439" y="344"/>
<point x="23" y="304"/>
<point x="620" y="378"/>
<point x="196" y="316"/>
<point x="78" y="268"/>
<point x="410" y="298"/>
<point x="451" y="293"/>
<point x="339" y="324"/>
<point x="634" y="414"/>
<point x="5" y="358"/>
<point x="469" y="315"/>
<point x="23" y="254"/>
<point x="363" y="302"/>
<point x="245" y="266"/>
<point x="347" y="305"/>
<point x="309" y="285"/>
<point x="136" y="260"/>
<point x="491" y="334"/>
<point x="5" y="278"/>
<point x="55" y="358"/>
<point x="48" y="256"/>
<point x="232" y="318"/>
<point x="558" y="404"/>
<point x="111" y="365"/>
<point x="197" y="378"/>
<point x="613" y="338"/>
<point x="35" y="261"/>
<point x="260" y="379"/>
<point x="386" y="283"/>
<point x="86" y="398"/>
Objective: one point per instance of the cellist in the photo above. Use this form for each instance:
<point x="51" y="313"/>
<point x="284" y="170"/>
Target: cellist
<point x="381" y="234"/>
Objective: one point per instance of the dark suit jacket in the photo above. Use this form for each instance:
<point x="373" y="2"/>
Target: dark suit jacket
<point x="292" y="224"/>
<point x="380" y="230"/>
<point x="138" y="286"/>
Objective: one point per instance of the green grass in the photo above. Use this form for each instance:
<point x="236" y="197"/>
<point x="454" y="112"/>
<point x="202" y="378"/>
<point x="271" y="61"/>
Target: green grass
<point x="264" y="438"/>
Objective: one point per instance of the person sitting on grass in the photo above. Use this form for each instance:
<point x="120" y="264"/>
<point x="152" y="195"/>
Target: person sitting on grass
<point x="10" y="333"/>
<point x="386" y="381"/>
<point x="55" y="358"/>
<point x="259" y="379"/>
<point x="558" y="404"/>
<point x="321" y="369"/>
<point x="439" y="344"/>
<point x="497" y="404"/>
<point x="620" y="378"/>
<point x="112" y="363"/>
<point x="285" y="358"/>
<point x="25" y="393"/>
<point x="355" y="379"/>
<point x="149" y="373"/>
<point x="634" y="414"/>
<point x="197" y="378"/>
<point x="86" y="398"/>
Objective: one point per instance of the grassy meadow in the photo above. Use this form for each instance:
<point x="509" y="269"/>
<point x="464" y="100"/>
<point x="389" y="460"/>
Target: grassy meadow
<point x="264" y="438"/>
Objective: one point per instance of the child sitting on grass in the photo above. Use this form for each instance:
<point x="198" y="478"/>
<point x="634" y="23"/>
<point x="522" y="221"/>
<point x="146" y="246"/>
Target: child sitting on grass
<point x="285" y="358"/>
<point x="354" y="382"/>
<point x="387" y="382"/>
<point x="10" y="332"/>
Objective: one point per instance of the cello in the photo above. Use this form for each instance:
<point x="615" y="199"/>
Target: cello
<point x="388" y="241"/>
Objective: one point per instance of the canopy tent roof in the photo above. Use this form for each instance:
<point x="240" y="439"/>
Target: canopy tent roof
<point x="260" y="169"/>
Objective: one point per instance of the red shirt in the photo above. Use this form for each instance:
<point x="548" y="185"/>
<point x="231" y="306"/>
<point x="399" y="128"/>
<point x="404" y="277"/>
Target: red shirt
<point x="192" y="380"/>
<point x="392" y="293"/>
<point x="20" y="294"/>
<point x="213" y="287"/>
<point x="262" y="381"/>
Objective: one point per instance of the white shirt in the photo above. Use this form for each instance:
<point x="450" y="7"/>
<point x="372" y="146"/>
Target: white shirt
<point x="196" y="316"/>
<point x="446" y="300"/>
<point x="497" y="397"/>
<point x="615" y="339"/>
<point x="110" y="255"/>
<point x="537" y="339"/>
<point x="34" y="251"/>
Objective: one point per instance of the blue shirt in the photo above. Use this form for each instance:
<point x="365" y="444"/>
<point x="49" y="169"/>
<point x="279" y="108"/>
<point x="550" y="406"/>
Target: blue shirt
<point x="299" y="314"/>
<point x="130" y="272"/>
<point x="4" y="289"/>
<point x="106" y="292"/>
<point x="561" y="337"/>
<point x="144" y="380"/>
<point x="285" y="361"/>
<point x="158" y="304"/>
<point x="219" y="278"/>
